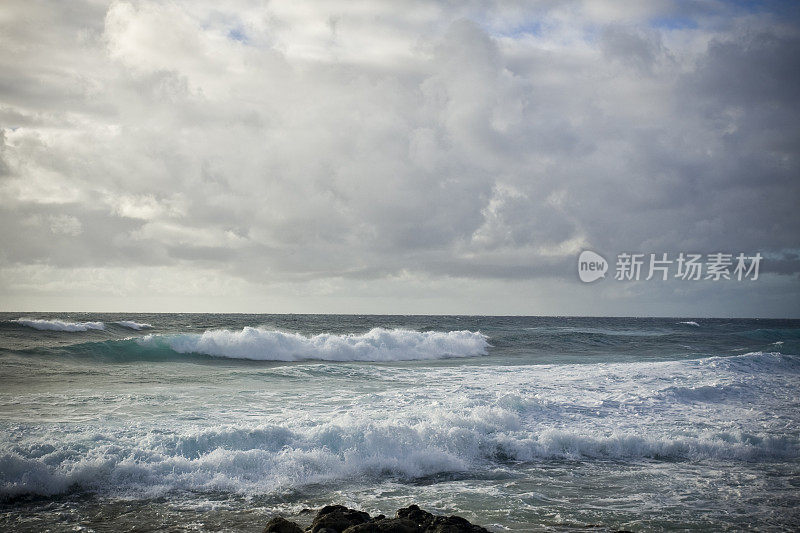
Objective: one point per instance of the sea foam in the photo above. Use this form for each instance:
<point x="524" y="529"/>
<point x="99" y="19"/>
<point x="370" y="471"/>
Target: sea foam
<point x="263" y="459"/>
<point x="371" y="424"/>
<point x="378" y="344"/>
<point x="59" y="325"/>
<point x="133" y="325"/>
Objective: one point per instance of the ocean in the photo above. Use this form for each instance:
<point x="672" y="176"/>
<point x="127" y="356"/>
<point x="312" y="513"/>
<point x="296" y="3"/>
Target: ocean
<point x="216" y="422"/>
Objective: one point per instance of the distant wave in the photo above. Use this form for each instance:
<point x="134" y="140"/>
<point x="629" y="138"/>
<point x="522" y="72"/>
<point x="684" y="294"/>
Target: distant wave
<point x="773" y="334"/>
<point x="569" y="330"/>
<point x="133" y="325"/>
<point x="690" y="323"/>
<point x="59" y="325"/>
<point x="378" y="344"/>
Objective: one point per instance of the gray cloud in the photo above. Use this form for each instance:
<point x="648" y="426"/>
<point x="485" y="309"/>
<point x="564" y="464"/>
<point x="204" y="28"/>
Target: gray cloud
<point x="272" y="148"/>
<point x="633" y="48"/>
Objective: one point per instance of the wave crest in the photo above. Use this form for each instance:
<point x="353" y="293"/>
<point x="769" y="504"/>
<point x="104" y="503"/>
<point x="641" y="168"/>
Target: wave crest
<point x="268" y="458"/>
<point x="754" y="362"/>
<point x="59" y="325"/>
<point x="378" y="344"/>
<point x="133" y="325"/>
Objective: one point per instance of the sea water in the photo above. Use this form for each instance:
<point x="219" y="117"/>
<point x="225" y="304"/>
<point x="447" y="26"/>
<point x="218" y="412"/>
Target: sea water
<point x="215" y="422"/>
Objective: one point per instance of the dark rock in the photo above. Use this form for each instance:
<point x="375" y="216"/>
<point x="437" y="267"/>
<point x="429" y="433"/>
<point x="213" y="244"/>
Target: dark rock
<point x="331" y="508"/>
<point x="280" y="525"/>
<point x="386" y="525"/>
<point x="453" y="524"/>
<point x="415" y="514"/>
<point x="338" y="518"/>
<point x="438" y="524"/>
<point x="411" y="519"/>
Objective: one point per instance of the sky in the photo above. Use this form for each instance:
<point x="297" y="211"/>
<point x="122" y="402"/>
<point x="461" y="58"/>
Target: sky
<point x="396" y="157"/>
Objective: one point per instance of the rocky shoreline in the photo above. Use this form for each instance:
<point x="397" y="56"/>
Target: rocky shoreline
<point x="340" y="519"/>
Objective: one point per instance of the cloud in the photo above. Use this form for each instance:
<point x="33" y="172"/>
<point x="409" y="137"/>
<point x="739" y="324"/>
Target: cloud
<point x="276" y="143"/>
<point x="65" y="225"/>
<point x="632" y="47"/>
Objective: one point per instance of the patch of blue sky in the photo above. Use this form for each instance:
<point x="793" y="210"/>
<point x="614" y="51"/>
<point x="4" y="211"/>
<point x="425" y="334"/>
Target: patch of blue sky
<point x="532" y="27"/>
<point x="788" y="9"/>
<point x="228" y="24"/>
<point x="238" y="34"/>
<point x="779" y="7"/>
<point x="694" y="15"/>
<point x="674" y="23"/>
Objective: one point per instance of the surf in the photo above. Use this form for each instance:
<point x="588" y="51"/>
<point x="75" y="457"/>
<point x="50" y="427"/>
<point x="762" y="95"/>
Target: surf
<point x="262" y="344"/>
<point x="59" y="325"/>
<point x="378" y="344"/>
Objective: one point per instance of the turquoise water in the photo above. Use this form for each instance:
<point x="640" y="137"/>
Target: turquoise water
<point x="213" y="422"/>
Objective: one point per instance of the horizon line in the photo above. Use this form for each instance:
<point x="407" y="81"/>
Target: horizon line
<point x="409" y="314"/>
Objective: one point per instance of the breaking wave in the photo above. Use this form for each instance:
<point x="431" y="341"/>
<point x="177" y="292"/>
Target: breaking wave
<point x="133" y="325"/>
<point x="378" y="344"/>
<point x="509" y="415"/>
<point x="270" y="457"/>
<point x="690" y="323"/>
<point x="751" y="363"/>
<point x="59" y="325"/>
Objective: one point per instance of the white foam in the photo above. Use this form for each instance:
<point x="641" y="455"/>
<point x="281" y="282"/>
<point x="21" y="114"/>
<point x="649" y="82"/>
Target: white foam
<point x="323" y="422"/>
<point x="263" y="459"/>
<point x="378" y="344"/>
<point x="690" y="323"/>
<point x="59" y="325"/>
<point x="133" y="325"/>
<point x="752" y="362"/>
